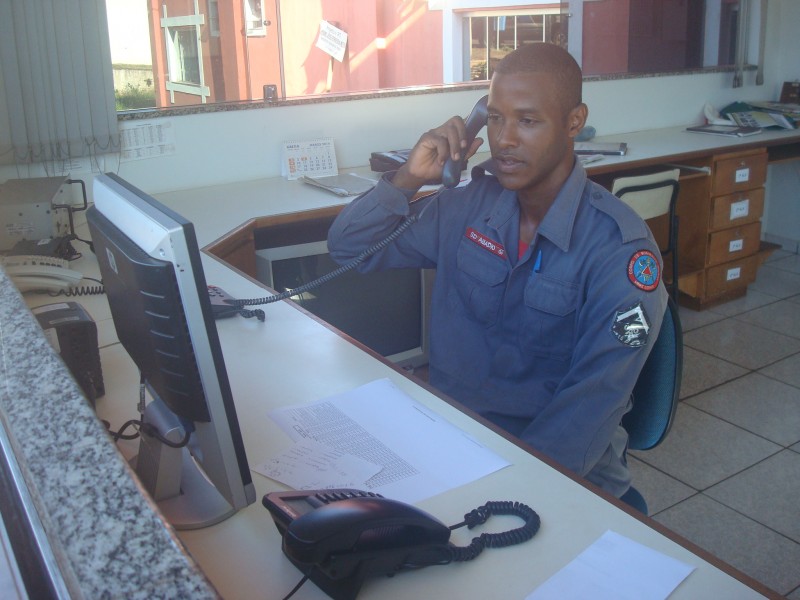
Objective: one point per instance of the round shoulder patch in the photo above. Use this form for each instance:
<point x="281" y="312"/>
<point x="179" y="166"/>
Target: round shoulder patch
<point x="644" y="271"/>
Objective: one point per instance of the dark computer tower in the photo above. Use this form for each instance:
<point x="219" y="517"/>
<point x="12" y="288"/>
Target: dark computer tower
<point x="73" y="334"/>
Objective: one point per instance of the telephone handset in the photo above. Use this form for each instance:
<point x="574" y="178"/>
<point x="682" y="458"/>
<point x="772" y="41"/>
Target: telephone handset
<point x="340" y="537"/>
<point x="451" y="174"/>
<point x="34" y="272"/>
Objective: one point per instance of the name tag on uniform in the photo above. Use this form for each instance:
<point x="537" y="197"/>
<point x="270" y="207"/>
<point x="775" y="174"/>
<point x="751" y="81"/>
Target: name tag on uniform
<point x="486" y="243"/>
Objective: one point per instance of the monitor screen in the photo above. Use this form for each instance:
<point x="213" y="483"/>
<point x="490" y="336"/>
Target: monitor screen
<point x="386" y="310"/>
<point x="152" y="272"/>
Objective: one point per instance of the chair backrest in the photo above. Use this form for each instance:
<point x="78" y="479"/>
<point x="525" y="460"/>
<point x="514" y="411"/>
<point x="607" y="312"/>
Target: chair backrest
<point x="656" y="393"/>
<point x="650" y="195"/>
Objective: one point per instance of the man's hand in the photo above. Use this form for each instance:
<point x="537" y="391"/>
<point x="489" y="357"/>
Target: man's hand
<point x="427" y="158"/>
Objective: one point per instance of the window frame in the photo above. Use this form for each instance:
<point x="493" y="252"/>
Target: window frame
<point x="183" y="23"/>
<point x="488" y="13"/>
<point x="254" y="13"/>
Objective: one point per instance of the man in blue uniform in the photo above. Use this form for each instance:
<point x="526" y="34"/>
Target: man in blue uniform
<point x="548" y="293"/>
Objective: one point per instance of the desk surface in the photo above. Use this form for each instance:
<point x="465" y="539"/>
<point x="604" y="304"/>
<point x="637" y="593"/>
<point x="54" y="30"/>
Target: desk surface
<point x="292" y="358"/>
<point x="264" y="362"/>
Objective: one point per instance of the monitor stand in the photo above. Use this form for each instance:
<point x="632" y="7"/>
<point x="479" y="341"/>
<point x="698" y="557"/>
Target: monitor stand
<point x="182" y="492"/>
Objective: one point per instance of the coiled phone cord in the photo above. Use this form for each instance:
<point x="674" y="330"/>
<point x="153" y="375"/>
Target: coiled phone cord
<point x="72" y="292"/>
<point x="496" y="540"/>
<point x="407" y="222"/>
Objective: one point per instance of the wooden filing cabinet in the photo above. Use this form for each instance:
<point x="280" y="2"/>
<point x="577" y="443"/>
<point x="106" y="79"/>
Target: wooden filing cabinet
<point x="719" y="245"/>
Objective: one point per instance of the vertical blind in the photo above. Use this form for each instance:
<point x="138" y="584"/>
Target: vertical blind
<point x="56" y="71"/>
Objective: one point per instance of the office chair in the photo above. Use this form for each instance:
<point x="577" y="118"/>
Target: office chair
<point x="655" y="394"/>
<point x="653" y="196"/>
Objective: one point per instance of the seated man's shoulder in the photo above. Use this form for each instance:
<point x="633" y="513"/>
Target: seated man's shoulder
<point x="630" y="224"/>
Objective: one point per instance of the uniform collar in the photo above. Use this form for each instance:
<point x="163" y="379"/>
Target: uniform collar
<point x="558" y="222"/>
<point x="505" y="209"/>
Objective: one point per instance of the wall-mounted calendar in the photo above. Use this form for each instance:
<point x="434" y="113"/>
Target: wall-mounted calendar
<point x="313" y="158"/>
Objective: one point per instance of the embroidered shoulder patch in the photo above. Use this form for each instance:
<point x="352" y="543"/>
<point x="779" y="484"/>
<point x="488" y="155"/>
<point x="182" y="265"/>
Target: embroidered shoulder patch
<point x="644" y="271"/>
<point x="631" y="326"/>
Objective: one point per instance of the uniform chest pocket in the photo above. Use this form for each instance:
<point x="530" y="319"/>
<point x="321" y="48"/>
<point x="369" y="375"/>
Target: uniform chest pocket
<point x="548" y="328"/>
<point x="480" y="282"/>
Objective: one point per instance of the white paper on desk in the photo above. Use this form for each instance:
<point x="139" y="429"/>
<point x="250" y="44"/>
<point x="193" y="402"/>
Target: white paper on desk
<point x="420" y="453"/>
<point x="309" y="465"/>
<point x="615" y="568"/>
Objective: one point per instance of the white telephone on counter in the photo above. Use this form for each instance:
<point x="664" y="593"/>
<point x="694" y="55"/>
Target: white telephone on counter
<point x="33" y="272"/>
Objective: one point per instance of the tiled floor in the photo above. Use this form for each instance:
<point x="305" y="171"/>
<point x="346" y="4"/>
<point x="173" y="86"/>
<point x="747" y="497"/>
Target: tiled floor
<point x="728" y="476"/>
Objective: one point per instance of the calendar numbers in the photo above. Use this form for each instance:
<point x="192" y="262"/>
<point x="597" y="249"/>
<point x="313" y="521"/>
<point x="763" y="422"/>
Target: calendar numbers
<point x="313" y="158"/>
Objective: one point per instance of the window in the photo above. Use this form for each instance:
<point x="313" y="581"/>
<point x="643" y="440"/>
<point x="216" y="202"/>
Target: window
<point x="183" y="54"/>
<point x="213" y="17"/>
<point x="254" y="18"/>
<point x="206" y="51"/>
<point x="640" y="37"/>
<point x="494" y="34"/>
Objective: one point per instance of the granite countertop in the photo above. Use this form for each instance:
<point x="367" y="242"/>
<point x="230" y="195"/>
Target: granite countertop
<point x="107" y="539"/>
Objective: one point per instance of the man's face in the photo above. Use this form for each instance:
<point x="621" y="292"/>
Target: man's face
<point x="530" y="133"/>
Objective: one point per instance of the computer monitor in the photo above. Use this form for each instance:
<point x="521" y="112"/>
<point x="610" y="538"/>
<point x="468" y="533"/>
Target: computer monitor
<point x="152" y="272"/>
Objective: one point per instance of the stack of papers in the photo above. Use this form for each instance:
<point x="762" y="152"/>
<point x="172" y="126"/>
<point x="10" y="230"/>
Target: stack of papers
<point x="341" y="185"/>
<point x="779" y="111"/>
<point x="764" y="119"/>
<point x="604" y="148"/>
<point x="378" y="439"/>
<point x="729" y="130"/>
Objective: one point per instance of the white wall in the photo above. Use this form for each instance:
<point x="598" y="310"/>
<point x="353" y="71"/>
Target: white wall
<point x="222" y="147"/>
<point x="243" y="145"/>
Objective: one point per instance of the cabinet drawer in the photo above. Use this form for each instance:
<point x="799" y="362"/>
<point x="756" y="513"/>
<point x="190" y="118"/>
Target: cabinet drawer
<point x="730" y="276"/>
<point x="737" y="209"/>
<point x="734" y="243"/>
<point x="739" y="173"/>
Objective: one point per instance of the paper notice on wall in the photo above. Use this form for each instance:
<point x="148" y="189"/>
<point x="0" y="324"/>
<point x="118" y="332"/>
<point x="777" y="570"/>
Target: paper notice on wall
<point x="146" y="140"/>
<point x="332" y="40"/>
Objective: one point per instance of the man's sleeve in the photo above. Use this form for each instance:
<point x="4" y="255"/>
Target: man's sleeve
<point x="372" y="217"/>
<point x="616" y="329"/>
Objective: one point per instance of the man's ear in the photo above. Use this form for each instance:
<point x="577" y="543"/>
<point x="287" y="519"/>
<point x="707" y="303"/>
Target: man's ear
<point x="576" y="119"/>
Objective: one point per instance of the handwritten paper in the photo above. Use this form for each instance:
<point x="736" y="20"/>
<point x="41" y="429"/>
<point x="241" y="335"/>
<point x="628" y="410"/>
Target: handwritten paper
<point x="420" y="454"/>
<point x="309" y="465"/>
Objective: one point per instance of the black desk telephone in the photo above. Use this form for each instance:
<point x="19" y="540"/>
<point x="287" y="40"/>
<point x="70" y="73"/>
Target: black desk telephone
<point x="390" y="160"/>
<point x="340" y="537"/>
<point x="394" y="159"/>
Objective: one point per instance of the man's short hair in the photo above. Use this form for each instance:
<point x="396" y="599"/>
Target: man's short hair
<point x="541" y="57"/>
